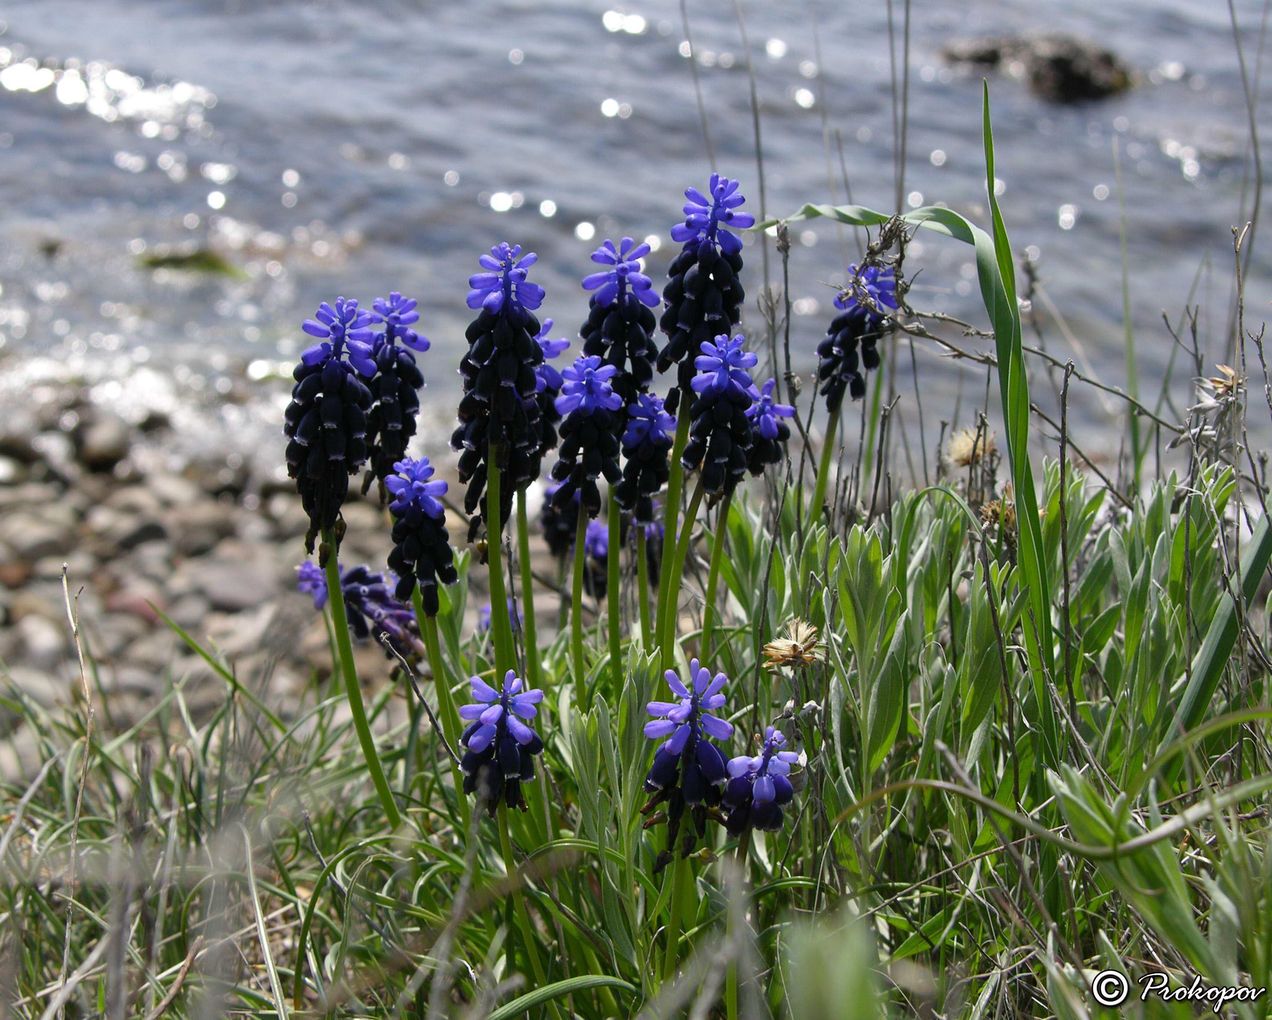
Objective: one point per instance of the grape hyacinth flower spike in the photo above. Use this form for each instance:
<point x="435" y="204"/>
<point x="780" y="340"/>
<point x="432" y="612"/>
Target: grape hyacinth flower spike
<point x="769" y="432"/>
<point x="647" y="442"/>
<point x="326" y="421"/>
<point x="499" y="411"/>
<point x="720" y="434"/>
<point x="688" y="768"/>
<point x="548" y="386"/>
<point x="421" y="553"/>
<point x="589" y="433"/>
<point x="620" y="322"/>
<point x="849" y="348"/>
<point x="499" y="747"/>
<point x="759" y="786"/>
<point x="372" y="609"/>
<point x="559" y="523"/>
<point x="395" y="388"/>
<point x="703" y="295"/>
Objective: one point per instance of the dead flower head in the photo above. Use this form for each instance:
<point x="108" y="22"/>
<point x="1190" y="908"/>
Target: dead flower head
<point x="799" y="647"/>
<point x="969" y="446"/>
<point x="1225" y="384"/>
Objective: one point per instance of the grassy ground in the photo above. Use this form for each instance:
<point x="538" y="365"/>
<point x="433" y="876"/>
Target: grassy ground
<point x="1035" y="747"/>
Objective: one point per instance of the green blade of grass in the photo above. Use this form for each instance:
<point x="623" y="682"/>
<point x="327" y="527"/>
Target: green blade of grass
<point x="523" y="1004"/>
<point x="1221" y="638"/>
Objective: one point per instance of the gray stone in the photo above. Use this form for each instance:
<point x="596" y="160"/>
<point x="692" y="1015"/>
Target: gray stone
<point x="43" y="686"/>
<point x="44" y="644"/>
<point x="232" y="584"/>
<point x="32" y="536"/>
<point x="1058" y="68"/>
<point x="196" y="528"/>
<point x="114" y="530"/>
<point x="102" y="440"/>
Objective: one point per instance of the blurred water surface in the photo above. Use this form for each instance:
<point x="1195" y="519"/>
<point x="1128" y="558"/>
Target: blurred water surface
<point x="352" y="148"/>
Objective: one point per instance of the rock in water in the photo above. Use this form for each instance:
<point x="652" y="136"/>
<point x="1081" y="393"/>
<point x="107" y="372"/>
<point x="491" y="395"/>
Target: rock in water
<point x="1057" y="68"/>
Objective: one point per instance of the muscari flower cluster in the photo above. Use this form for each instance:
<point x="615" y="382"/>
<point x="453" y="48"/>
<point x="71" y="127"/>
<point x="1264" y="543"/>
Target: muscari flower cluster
<point x="769" y="432"/>
<point x="326" y="420"/>
<point x="759" y="786"/>
<point x="688" y="768"/>
<point x="647" y="441"/>
<point x="421" y="547"/>
<point x="850" y="346"/>
<point x="720" y="430"/>
<point x="620" y="322"/>
<point x="395" y="386"/>
<point x="499" y="412"/>
<point x="499" y="747"/>
<point x="370" y="605"/>
<point x="589" y="433"/>
<point x="703" y="294"/>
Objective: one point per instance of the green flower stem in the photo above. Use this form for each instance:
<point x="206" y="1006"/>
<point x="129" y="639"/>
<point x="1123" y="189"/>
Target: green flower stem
<point x="675" y="482"/>
<point x="713" y="573"/>
<point x="731" y="975"/>
<point x="340" y="623"/>
<point x="673" y="579"/>
<point x="823" y="466"/>
<point x="642" y="583"/>
<point x="518" y="903"/>
<point x="679" y="869"/>
<point x="612" y="596"/>
<point x="533" y="671"/>
<point x="449" y="717"/>
<point x="500" y="624"/>
<point x="576" y="615"/>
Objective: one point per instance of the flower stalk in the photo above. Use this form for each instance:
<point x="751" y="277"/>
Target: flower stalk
<point x="340" y="623"/>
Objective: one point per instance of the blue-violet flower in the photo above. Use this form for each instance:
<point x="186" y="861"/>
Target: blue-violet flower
<point x="719" y="430"/>
<point x="326" y="420"/>
<point x="759" y="786"/>
<point x="688" y="768"/>
<point x="499" y="746"/>
<point x="703" y="296"/>
<point x="370" y="605"/>
<point x="421" y="546"/>
<point x="395" y="388"/>
<point x="499" y="411"/>
<point x="589" y="433"/>
<point x="769" y="431"/>
<point x="850" y="344"/>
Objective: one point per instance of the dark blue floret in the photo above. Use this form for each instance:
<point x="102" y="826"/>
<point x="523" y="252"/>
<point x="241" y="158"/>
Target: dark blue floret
<point x="620" y="322"/>
<point x="647" y="441"/>
<point x="370" y="605"/>
<point x="589" y="433"/>
<point x="850" y="345"/>
<point x="421" y="547"/>
<point x="688" y="768"/>
<point x="720" y="430"/>
<point x="499" y="412"/>
<point x="395" y="388"/>
<point x="326" y="421"/>
<point x="759" y="786"/>
<point x="769" y="431"/>
<point x="559" y="522"/>
<point x="499" y="746"/>
<point x="703" y="295"/>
